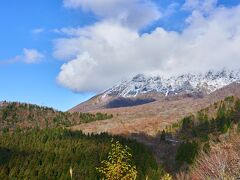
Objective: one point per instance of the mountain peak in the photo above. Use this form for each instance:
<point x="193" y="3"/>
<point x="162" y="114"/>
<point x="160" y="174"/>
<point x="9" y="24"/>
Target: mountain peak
<point x="185" y="83"/>
<point x="139" y="78"/>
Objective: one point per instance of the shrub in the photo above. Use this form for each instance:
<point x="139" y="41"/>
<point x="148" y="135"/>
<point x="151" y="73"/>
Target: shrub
<point x="118" y="166"/>
<point x="187" y="152"/>
<point x="163" y="136"/>
<point x="222" y="162"/>
<point x="238" y="127"/>
<point x="187" y="122"/>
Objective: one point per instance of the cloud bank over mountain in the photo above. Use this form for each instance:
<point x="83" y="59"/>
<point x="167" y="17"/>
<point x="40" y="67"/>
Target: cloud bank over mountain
<point x="112" y="49"/>
<point x="131" y="13"/>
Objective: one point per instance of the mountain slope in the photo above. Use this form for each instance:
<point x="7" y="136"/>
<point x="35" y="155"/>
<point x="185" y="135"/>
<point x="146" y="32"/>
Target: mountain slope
<point x="143" y="89"/>
<point x="148" y="104"/>
<point x="187" y="83"/>
<point x="152" y="117"/>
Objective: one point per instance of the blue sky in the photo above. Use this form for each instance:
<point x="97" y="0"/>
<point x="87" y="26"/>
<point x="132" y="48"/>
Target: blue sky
<point x="87" y="39"/>
<point x="35" y="83"/>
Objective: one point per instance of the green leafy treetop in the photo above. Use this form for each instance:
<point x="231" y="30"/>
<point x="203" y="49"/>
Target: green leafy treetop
<point x="118" y="165"/>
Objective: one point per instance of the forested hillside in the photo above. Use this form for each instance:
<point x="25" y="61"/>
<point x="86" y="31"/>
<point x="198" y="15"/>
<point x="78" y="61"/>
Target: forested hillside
<point x="198" y="134"/>
<point x="36" y="144"/>
<point x="49" y="154"/>
<point x="22" y="116"/>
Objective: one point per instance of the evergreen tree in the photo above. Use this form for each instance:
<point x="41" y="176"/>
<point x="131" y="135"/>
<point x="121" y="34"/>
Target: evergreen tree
<point x="163" y="136"/>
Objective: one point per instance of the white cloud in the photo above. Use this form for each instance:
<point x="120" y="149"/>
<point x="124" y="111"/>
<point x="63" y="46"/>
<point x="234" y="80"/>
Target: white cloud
<point x="71" y="69"/>
<point x="31" y="56"/>
<point x="131" y="13"/>
<point x="106" y="52"/>
<point x="28" y="56"/>
<point x="171" y="9"/>
<point x="201" y="5"/>
<point x="38" y="30"/>
<point x="104" y="34"/>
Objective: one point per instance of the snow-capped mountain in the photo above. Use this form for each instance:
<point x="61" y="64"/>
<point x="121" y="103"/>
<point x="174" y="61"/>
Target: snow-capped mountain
<point x="187" y="83"/>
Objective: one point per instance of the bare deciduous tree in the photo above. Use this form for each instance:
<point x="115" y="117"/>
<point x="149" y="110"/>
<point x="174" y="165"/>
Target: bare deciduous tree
<point x="222" y="162"/>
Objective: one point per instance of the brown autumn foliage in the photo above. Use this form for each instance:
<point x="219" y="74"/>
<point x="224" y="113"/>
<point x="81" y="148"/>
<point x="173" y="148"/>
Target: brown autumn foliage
<point x="222" y="162"/>
<point x="152" y="117"/>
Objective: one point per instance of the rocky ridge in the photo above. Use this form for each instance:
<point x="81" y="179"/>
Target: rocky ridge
<point x="187" y="83"/>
